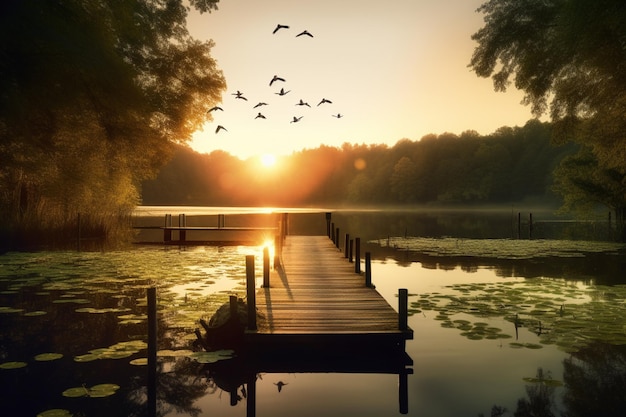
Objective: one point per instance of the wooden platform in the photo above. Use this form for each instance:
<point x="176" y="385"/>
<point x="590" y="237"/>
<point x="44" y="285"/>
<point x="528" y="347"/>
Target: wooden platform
<point x="316" y="298"/>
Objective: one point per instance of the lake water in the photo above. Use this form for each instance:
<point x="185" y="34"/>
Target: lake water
<point x="522" y="324"/>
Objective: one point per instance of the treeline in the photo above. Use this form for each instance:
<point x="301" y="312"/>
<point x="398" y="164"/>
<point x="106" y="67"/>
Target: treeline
<point x="510" y="165"/>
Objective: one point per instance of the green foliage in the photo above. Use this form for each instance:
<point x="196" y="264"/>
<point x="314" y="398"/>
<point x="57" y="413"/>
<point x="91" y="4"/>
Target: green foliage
<point x="94" y="94"/>
<point x="568" y="56"/>
<point x="508" y="166"/>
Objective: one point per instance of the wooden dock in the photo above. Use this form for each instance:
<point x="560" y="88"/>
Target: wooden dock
<point x="316" y="298"/>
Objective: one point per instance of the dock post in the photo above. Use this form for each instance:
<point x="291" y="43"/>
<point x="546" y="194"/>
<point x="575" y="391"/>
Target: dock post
<point x="266" y="267"/>
<point x="152" y="350"/>
<point x="368" y="269"/>
<point x="337" y="235"/>
<point x="332" y="231"/>
<point x="346" y="245"/>
<point x="403" y="309"/>
<point x="182" y="222"/>
<point x="251" y="292"/>
<point x="351" y="250"/>
<point x="278" y="247"/>
<point x="167" y="233"/>
<point x="403" y="391"/>
<point x="357" y="255"/>
<point x="328" y="217"/>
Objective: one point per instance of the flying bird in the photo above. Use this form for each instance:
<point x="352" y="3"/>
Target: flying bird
<point x="324" y="101"/>
<point x="296" y="119"/>
<point x="259" y="105"/>
<point x="338" y="115"/>
<point x="302" y="103"/>
<point x="259" y="116"/>
<point x="239" y="94"/>
<point x="220" y="127"/>
<point x="276" y="78"/>
<point x="280" y="385"/>
<point x="215" y="108"/>
<point x="282" y="92"/>
<point x="304" y="32"/>
<point x="279" y="27"/>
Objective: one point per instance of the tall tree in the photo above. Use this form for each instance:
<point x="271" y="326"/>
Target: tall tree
<point x="92" y="96"/>
<point x="569" y="57"/>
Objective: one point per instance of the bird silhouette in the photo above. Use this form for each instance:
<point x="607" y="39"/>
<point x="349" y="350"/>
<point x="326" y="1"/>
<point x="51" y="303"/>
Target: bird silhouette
<point x="304" y="32"/>
<point x="280" y="385"/>
<point x="338" y="115"/>
<point x="276" y="78"/>
<point x="296" y="119"/>
<point x="239" y="94"/>
<point x="215" y="108"/>
<point x="259" y="105"/>
<point x="220" y="127"/>
<point x="259" y="116"/>
<point x="282" y="92"/>
<point x="302" y="103"/>
<point x="279" y="27"/>
<point x="324" y="101"/>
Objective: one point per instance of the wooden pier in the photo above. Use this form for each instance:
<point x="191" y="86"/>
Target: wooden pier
<point x="315" y="297"/>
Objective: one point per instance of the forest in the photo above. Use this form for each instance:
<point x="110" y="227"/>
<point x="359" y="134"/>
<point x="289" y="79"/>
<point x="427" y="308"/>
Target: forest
<point x="511" y="165"/>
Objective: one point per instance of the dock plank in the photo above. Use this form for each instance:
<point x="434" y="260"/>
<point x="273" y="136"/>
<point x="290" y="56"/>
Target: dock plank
<point x="317" y="294"/>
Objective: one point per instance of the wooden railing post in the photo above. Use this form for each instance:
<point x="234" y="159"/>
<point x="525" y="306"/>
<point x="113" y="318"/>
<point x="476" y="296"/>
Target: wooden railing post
<point x="167" y="233"/>
<point x="347" y="244"/>
<point x="182" y="222"/>
<point x="403" y="309"/>
<point x="152" y="349"/>
<point x="357" y="255"/>
<point x="251" y="292"/>
<point x="351" y="251"/>
<point x="328" y="217"/>
<point x="332" y="231"/>
<point x="337" y="241"/>
<point x="368" y="269"/>
<point x="266" y="267"/>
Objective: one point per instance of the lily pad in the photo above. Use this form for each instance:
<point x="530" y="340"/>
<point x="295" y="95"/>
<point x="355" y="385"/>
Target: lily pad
<point x="212" y="357"/>
<point x="45" y="357"/>
<point x="13" y="365"/>
<point x="55" y="412"/>
<point x="139" y="362"/>
<point x="97" y="391"/>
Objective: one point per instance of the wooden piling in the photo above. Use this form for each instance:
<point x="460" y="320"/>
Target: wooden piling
<point x="251" y="292"/>
<point x="266" y="267"/>
<point x="328" y="218"/>
<point x="278" y="247"/>
<point x="182" y="222"/>
<point x="403" y="309"/>
<point x="152" y="350"/>
<point x="368" y="269"/>
<point x="337" y="241"/>
<point x="350" y="259"/>
<point x="167" y="233"/>
<point x="347" y="245"/>
<point x="357" y="255"/>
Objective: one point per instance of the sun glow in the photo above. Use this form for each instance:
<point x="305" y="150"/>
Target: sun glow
<point x="268" y="160"/>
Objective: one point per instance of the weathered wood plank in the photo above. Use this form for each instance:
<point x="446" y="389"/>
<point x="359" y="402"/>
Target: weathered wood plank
<point x="316" y="295"/>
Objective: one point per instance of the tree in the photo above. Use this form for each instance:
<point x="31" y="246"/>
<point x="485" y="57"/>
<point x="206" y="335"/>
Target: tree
<point x="93" y="96"/>
<point x="569" y="57"/>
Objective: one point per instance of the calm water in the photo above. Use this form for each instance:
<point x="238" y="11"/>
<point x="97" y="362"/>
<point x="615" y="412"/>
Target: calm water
<point x="484" y="325"/>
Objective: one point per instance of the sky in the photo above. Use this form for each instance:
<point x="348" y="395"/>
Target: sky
<point x="394" y="70"/>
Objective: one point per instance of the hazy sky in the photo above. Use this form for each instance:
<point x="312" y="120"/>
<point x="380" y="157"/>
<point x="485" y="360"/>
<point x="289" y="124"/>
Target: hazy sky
<point x="394" y="69"/>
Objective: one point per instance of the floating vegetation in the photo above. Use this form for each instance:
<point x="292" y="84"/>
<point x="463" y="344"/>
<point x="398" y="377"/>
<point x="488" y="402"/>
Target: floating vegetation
<point x="4" y="309"/>
<point x="46" y="357"/>
<point x="117" y="351"/>
<point x="558" y="312"/>
<point x="212" y="357"/>
<point x="36" y="313"/>
<point x="13" y="365"/>
<point x="97" y="391"/>
<point x="139" y="362"/>
<point x="501" y="248"/>
<point x="174" y="353"/>
<point x="101" y="310"/>
<point x="55" y="412"/>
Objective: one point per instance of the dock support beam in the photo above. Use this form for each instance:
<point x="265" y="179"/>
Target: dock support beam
<point x="328" y="230"/>
<point x="403" y="309"/>
<point x="251" y="292"/>
<point x="152" y="350"/>
<point x="167" y="233"/>
<point x="368" y="269"/>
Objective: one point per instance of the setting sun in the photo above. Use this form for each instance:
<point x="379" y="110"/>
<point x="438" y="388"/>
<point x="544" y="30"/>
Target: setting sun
<point x="268" y="160"/>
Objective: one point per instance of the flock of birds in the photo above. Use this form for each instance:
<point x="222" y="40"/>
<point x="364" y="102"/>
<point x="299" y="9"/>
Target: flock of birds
<point x="282" y="92"/>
